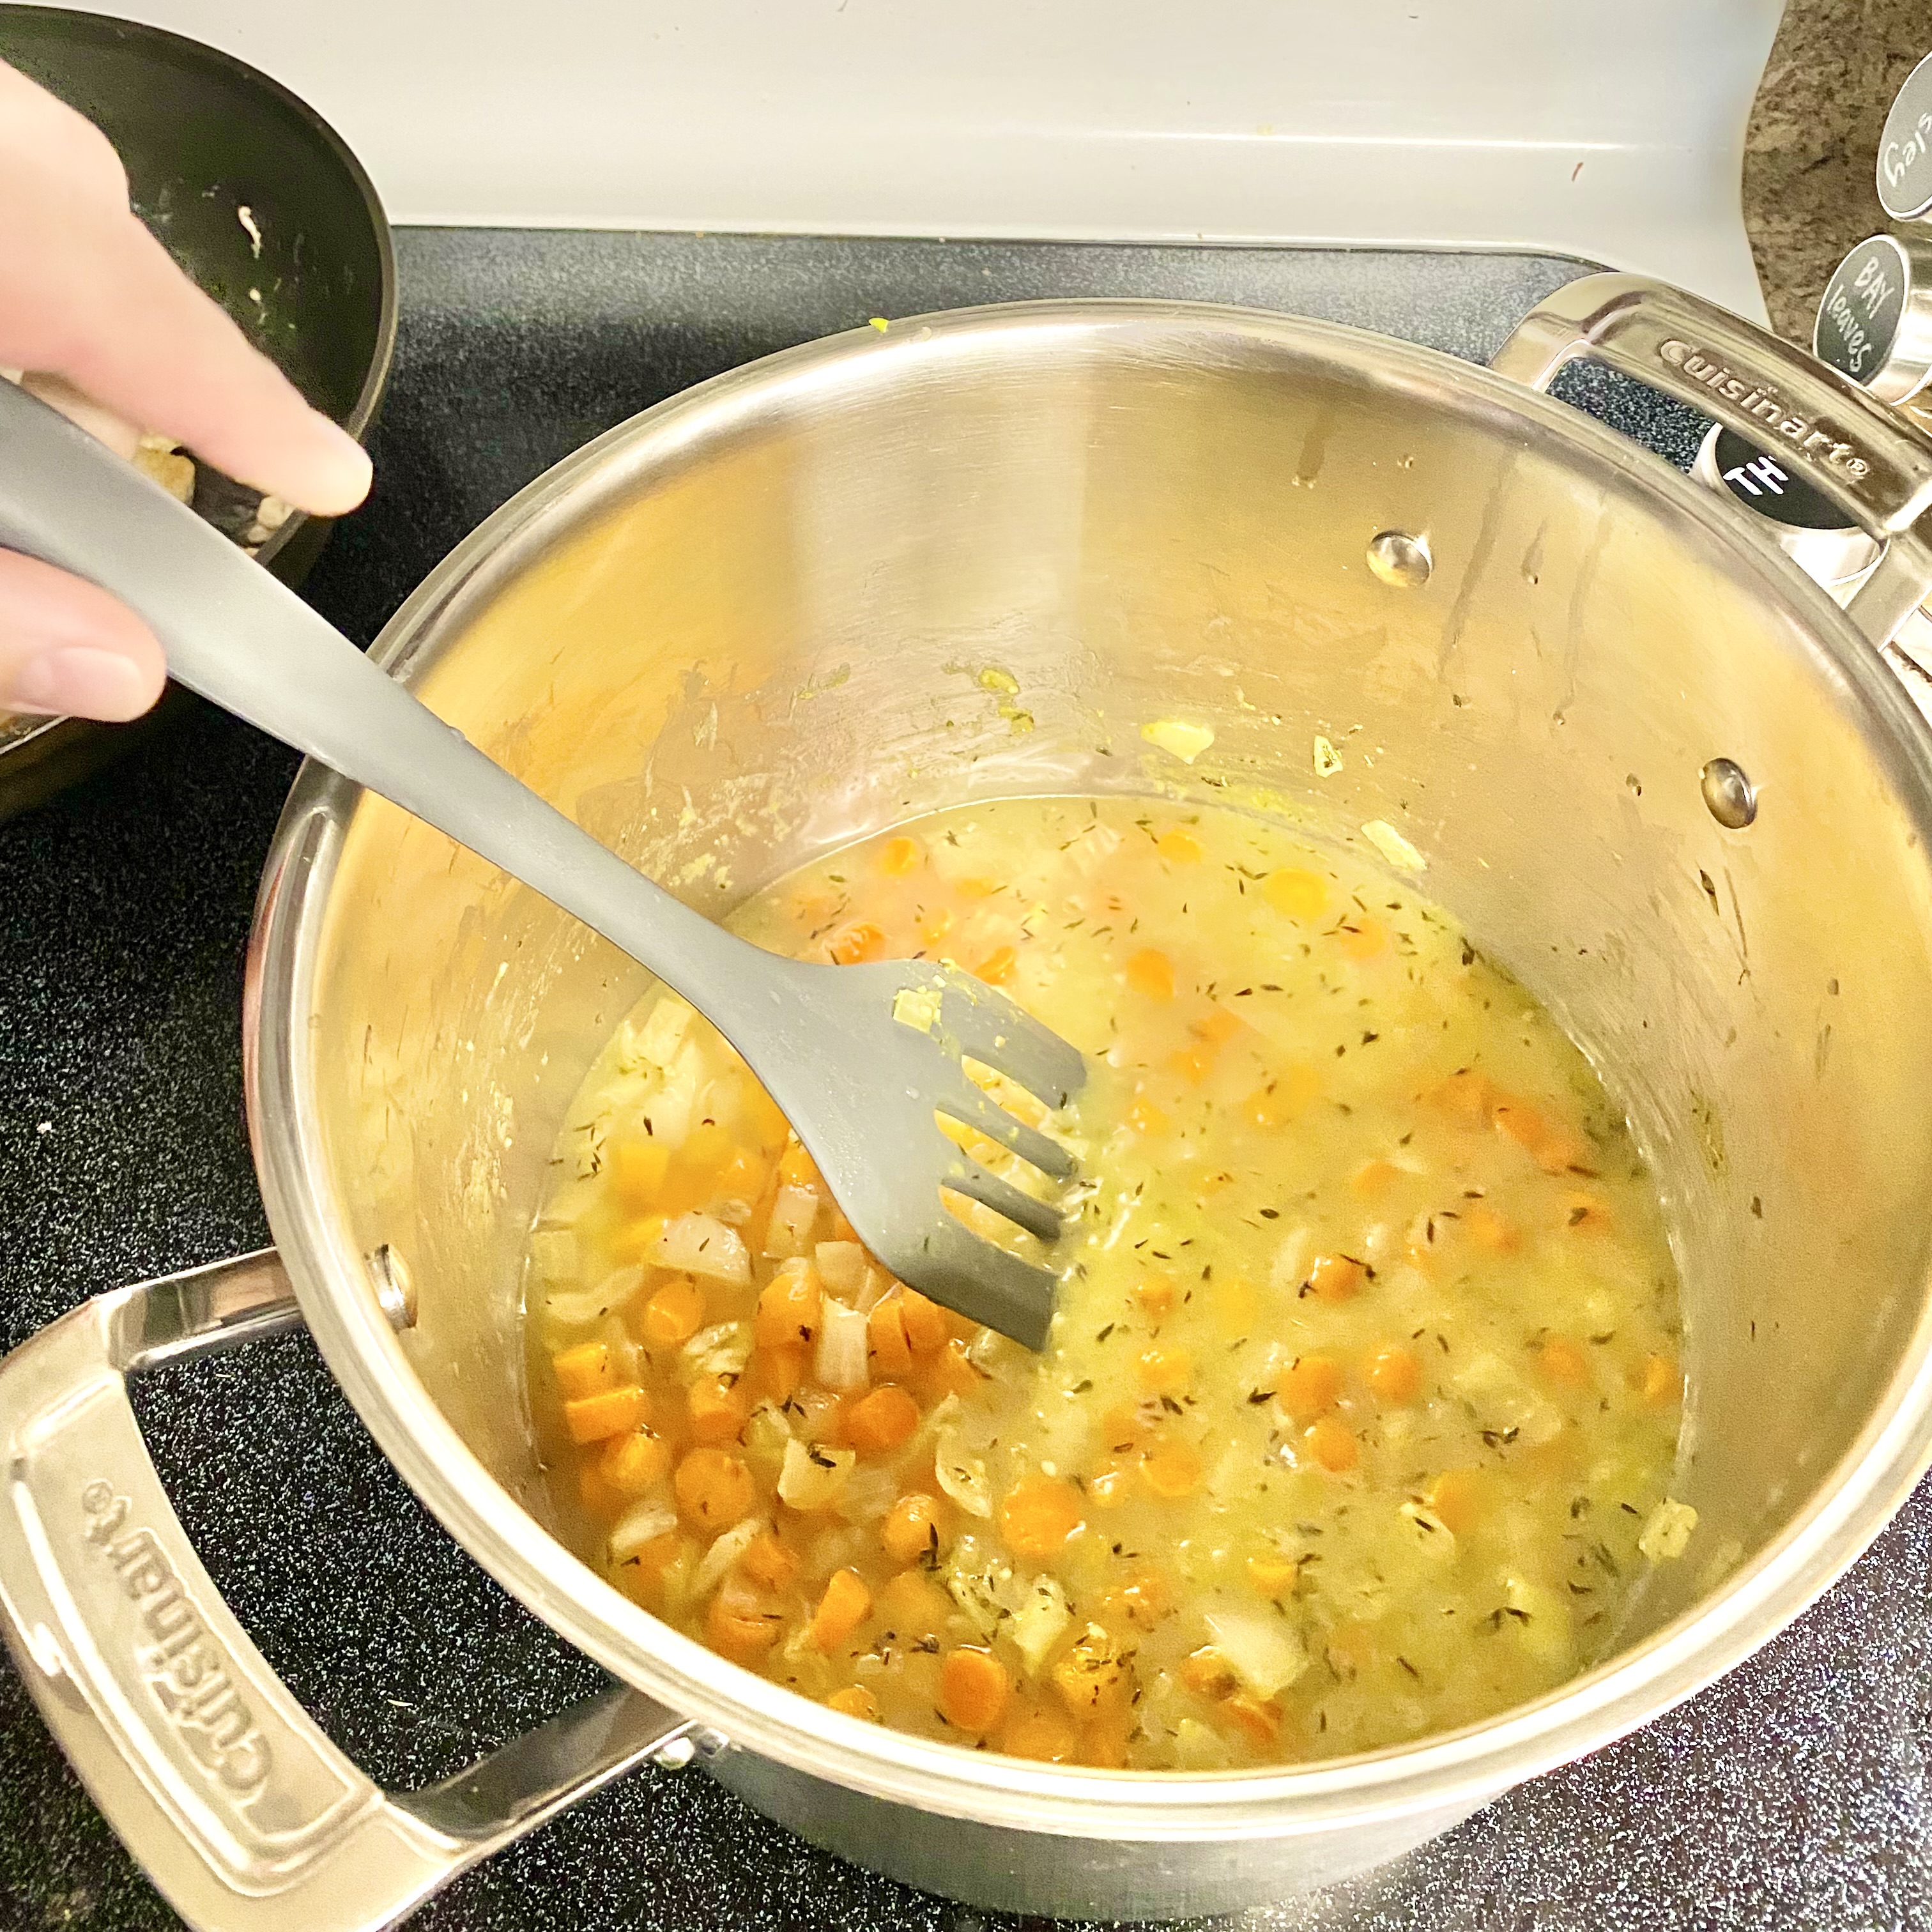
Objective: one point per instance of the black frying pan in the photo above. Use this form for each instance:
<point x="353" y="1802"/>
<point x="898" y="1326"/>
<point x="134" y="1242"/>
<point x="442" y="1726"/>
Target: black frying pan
<point x="203" y="135"/>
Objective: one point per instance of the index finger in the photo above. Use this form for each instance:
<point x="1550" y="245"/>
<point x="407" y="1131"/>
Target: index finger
<point x="157" y="350"/>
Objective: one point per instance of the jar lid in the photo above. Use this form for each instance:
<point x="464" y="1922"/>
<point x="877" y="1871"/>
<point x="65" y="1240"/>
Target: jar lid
<point x="1875" y="318"/>
<point x="1805" y="524"/>
<point x="1905" y="148"/>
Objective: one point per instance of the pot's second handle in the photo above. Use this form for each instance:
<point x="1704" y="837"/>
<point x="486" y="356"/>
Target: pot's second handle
<point x="1836" y="436"/>
<point x="245" y="1815"/>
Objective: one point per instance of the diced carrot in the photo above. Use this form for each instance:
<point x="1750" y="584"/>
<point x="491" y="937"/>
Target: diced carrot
<point x="1285" y="1098"/>
<point x="633" y="1242"/>
<point x="998" y="967"/>
<point x="1192" y="1064"/>
<point x="1311" y="1387"/>
<point x="1364" y="938"/>
<point x="592" y="1417"/>
<point x="861" y="940"/>
<point x="924" y="1322"/>
<point x="1039" y="1514"/>
<point x="1046" y="1736"/>
<point x="740" y="1630"/>
<point x="882" y="1420"/>
<point x="641" y="1574"/>
<point x="584" y="1370"/>
<point x="1395" y="1376"/>
<point x="1107" y="1487"/>
<point x="1207" y="1673"/>
<point x="1660" y="1383"/>
<point x="774" y="1374"/>
<point x="855" y="1700"/>
<point x="744" y="1178"/>
<point x="705" y="1154"/>
<point x="797" y="1169"/>
<point x="1562" y="1361"/>
<point x="1553" y="1147"/>
<point x="638" y="1169"/>
<point x="973" y="1687"/>
<point x="1466" y="1096"/>
<point x="1336" y="1277"/>
<point x="1261" y="1723"/>
<point x="1104" y="1739"/>
<point x="841" y="1229"/>
<point x="1151" y="972"/>
<point x="1458" y="1497"/>
<point x="767" y="1125"/>
<point x="1216" y="1026"/>
<point x="1273" y="1574"/>
<point x="979" y="887"/>
<point x="1491" y="1231"/>
<point x="953" y="1372"/>
<point x="1144" y="1117"/>
<point x="1144" y="1602"/>
<point x="674" y="1313"/>
<point x="845" y="1605"/>
<point x="635" y="1462"/>
<point x="1178" y="845"/>
<point x="768" y="1562"/>
<point x="900" y="856"/>
<point x="1373" y="1179"/>
<point x="1331" y="1444"/>
<point x="789" y="1307"/>
<point x="911" y="1531"/>
<point x="1351" y="1648"/>
<point x="1155" y="1293"/>
<point x="1172" y="1469"/>
<point x="1300" y="895"/>
<point x="1166" y="1371"/>
<point x="596" y="1495"/>
<point x="934" y="924"/>
<point x="714" y="1488"/>
<point x="887" y="1345"/>
<point x="912" y="1606"/>
<point x="1236" y="1305"/>
<point x="719" y="1407"/>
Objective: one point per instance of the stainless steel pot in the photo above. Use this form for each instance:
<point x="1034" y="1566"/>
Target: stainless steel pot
<point x="974" y="556"/>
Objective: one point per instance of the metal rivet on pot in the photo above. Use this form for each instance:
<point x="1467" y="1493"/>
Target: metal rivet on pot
<point x="1730" y="795"/>
<point x="675" y="1753"/>
<point x="1401" y="559"/>
<point x="394" y="1288"/>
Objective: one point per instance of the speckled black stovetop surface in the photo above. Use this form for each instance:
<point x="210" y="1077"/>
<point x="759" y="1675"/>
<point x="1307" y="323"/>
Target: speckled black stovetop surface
<point x="1794" y="1795"/>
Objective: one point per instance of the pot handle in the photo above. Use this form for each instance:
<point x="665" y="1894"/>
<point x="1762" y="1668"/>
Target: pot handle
<point x="244" y="1814"/>
<point x="1837" y="436"/>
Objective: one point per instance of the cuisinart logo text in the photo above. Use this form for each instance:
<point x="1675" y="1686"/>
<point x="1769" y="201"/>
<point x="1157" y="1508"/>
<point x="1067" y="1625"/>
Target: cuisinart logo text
<point x="1761" y="400"/>
<point x="183" y="1661"/>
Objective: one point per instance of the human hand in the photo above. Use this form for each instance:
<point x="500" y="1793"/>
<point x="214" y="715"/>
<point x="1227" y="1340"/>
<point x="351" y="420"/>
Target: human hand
<point x="89" y="297"/>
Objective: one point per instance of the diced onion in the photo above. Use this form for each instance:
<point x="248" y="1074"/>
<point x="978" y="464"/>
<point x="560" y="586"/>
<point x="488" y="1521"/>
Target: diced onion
<point x="578" y="1307"/>
<point x="1667" y="1532"/>
<point x="643" y="1523"/>
<point x="841" y="1266"/>
<point x="1289" y="1268"/>
<point x="724" y="1348"/>
<point x="1265" y="1653"/>
<point x="725" y="1550"/>
<point x="553" y="1254"/>
<point x="702" y="1244"/>
<point x="1036" y="1626"/>
<point x="980" y="1584"/>
<point x="963" y="1477"/>
<point x="794" y="1215"/>
<point x="812" y="1477"/>
<point x="839" y="1360"/>
<point x="870" y="1493"/>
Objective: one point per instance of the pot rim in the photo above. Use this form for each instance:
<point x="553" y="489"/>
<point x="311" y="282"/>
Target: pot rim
<point x="1462" y="1768"/>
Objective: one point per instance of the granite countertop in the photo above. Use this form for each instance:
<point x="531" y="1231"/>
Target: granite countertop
<point x="1811" y="147"/>
<point x="1793" y="1794"/>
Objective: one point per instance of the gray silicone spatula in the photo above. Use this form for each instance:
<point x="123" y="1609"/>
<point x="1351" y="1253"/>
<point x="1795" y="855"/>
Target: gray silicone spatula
<point x="862" y="1059"/>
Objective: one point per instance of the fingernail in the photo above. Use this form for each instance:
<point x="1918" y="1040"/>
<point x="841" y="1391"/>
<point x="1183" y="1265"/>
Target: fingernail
<point x="76" y="681"/>
<point x="347" y="465"/>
